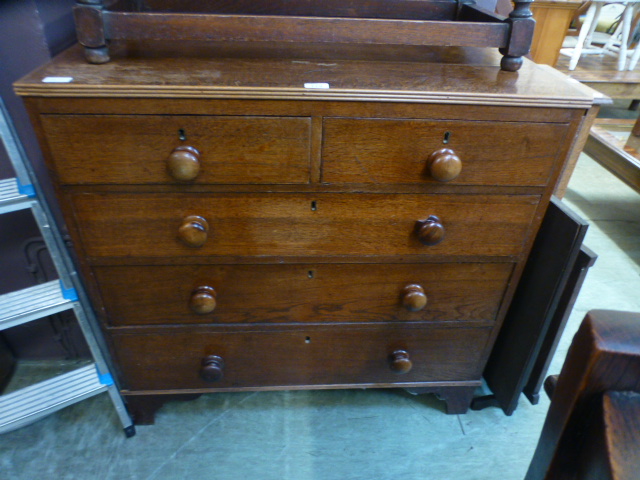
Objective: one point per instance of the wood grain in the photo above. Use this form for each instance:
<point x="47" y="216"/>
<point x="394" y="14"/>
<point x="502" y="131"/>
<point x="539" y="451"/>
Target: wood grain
<point x="409" y="9"/>
<point x="396" y="151"/>
<point x="427" y="75"/>
<point x="133" y="149"/>
<point x="308" y="293"/>
<point x="307" y="357"/>
<point x="121" y="225"/>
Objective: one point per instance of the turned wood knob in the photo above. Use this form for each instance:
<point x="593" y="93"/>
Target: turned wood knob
<point x="203" y="300"/>
<point x="212" y="369"/>
<point x="184" y="163"/>
<point x="414" y="298"/>
<point x="193" y="231"/>
<point x="444" y="165"/>
<point x="399" y="362"/>
<point x="430" y="231"/>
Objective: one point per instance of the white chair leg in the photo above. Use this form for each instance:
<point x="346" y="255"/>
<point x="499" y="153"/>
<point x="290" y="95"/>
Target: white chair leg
<point x="594" y="23"/>
<point x="636" y="53"/>
<point x="585" y="32"/>
<point x="611" y="46"/>
<point x="627" y="19"/>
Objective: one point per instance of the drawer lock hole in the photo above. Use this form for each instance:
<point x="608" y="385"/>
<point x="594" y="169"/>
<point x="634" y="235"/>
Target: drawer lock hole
<point x="182" y="135"/>
<point x="314" y="206"/>
<point x="311" y="274"/>
<point x="307" y="339"/>
<point x="447" y="135"/>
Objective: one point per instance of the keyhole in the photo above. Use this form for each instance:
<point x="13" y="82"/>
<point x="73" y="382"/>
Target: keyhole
<point x="314" y="206"/>
<point x="307" y="340"/>
<point x="446" y="137"/>
<point x="182" y="135"/>
<point x="311" y="274"/>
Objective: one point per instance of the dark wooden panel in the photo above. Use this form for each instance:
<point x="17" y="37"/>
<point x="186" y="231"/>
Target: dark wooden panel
<point x="273" y="28"/>
<point x="251" y="294"/>
<point x="339" y="355"/>
<point x="586" y="259"/>
<point x="132" y="149"/>
<point x="396" y="151"/>
<point x="534" y="304"/>
<point x="125" y="225"/>
<point x="409" y="9"/>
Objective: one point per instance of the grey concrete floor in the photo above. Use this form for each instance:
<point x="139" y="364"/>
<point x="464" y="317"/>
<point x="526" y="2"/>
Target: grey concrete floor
<point x="331" y="435"/>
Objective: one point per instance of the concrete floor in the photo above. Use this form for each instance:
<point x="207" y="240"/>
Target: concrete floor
<point x="334" y="435"/>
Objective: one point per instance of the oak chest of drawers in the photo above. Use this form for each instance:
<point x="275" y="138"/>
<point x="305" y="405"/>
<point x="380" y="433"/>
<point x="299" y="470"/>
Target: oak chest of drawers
<point x="240" y="228"/>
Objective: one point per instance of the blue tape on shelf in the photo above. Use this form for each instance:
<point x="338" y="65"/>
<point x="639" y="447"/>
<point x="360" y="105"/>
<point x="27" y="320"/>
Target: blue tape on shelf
<point x="27" y="190"/>
<point x="68" y="293"/>
<point x="104" y="378"/>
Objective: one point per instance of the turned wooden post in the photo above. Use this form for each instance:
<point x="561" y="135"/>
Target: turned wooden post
<point x="521" y="25"/>
<point x="88" y="15"/>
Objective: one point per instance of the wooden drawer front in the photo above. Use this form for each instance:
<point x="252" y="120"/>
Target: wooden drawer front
<point x="301" y="293"/>
<point x="281" y="224"/>
<point x="340" y="355"/>
<point x="133" y="149"/>
<point x="396" y="151"/>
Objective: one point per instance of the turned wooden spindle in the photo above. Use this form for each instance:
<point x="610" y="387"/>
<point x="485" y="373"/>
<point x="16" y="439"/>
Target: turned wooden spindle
<point x="89" y="21"/>
<point x="184" y="163"/>
<point x="444" y="165"/>
<point x="194" y="231"/>
<point x="203" y="300"/>
<point x="399" y="362"/>
<point x="430" y="231"/>
<point x="413" y="298"/>
<point x="521" y="27"/>
<point x="212" y="368"/>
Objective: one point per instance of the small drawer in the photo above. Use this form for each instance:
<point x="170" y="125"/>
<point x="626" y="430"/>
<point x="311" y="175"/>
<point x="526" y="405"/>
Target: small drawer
<point x="385" y="151"/>
<point x="152" y="149"/>
<point x="334" y="356"/>
<point x="302" y="225"/>
<point x="320" y="293"/>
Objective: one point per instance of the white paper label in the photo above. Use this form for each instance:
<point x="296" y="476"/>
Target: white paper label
<point x="316" y="85"/>
<point x="57" y="79"/>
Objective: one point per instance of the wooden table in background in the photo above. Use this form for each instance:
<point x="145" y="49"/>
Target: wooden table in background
<point x="619" y="157"/>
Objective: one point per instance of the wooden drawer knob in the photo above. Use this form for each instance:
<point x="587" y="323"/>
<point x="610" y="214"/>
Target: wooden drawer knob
<point x="430" y="231"/>
<point x="444" y="165"/>
<point x="212" y="369"/>
<point x="414" y="298"/>
<point x="194" y="231"/>
<point x="184" y="164"/>
<point x="203" y="300"/>
<point x="399" y="362"/>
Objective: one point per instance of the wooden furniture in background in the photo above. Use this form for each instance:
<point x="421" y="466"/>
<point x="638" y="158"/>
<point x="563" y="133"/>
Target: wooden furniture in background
<point x="620" y="158"/>
<point x="344" y="219"/>
<point x="373" y="22"/>
<point x="592" y="429"/>
<point x="539" y="311"/>
<point x="552" y="22"/>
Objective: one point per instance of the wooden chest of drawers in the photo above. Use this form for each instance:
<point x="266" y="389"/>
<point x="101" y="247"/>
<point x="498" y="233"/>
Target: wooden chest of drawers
<point x="240" y="228"/>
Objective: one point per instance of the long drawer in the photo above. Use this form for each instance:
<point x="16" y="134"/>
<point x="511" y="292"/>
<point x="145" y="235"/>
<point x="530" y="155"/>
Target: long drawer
<point x="134" y="149"/>
<point x="281" y="224"/>
<point x="397" y="151"/>
<point x="338" y="355"/>
<point x="316" y="293"/>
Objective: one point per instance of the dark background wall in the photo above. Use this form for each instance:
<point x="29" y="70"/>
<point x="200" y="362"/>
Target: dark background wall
<point x="31" y="32"/>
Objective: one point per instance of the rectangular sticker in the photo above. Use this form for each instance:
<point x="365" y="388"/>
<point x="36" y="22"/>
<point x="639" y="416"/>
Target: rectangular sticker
<point x="57" y="79"/>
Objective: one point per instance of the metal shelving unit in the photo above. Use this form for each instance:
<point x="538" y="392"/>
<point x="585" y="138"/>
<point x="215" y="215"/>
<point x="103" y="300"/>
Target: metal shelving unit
<point x="32" y="403"/>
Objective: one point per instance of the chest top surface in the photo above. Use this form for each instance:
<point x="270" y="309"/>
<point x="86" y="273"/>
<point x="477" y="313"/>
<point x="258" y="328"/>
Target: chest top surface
<point x="383" y="73"/>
